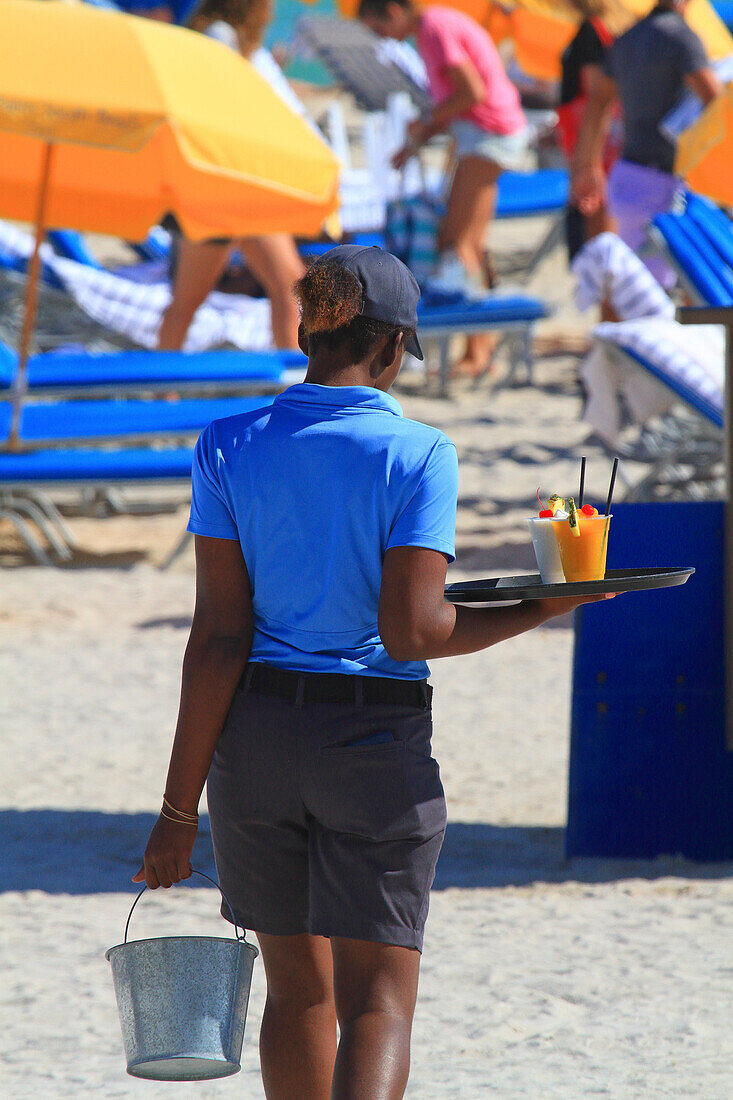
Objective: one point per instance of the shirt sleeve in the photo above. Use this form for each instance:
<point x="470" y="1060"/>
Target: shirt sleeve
<point x="692" y="55"/>
<point x="429" y="519"/>
<point x="211" y="513"/>
<point x="444" y="44"/>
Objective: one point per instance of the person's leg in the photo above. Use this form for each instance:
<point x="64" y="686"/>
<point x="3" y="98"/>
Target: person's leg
<point x="471" y="206"/>
<point x="376" y="990"/>
<point x="199" y="267"/>
<point x="274" y="260"/>
<point x="298" y="1034"/>
<point x="260" y="832"/>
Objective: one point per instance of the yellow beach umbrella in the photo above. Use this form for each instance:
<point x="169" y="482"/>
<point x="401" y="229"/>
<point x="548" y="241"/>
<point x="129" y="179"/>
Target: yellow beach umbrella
<point x="109" y="122"/>
<point x="144" y="119"/>
<point x="705" y="151"/>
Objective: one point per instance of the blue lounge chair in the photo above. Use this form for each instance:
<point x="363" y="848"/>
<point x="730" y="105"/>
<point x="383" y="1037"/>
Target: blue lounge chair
<point x="678" y="372"/>
<point x="699" y="242"/>
<point x="26" y="477"/>
<point x="74" y="421"/>
<point x="533" y="194"/>
<point x="684" y="448"/>
<point x="83" y="374"/>
<point x="10" y="261"/>
<point x="511" y="313"/>
<point x="529" y="194"/>
<point x="49" y="467"/>
<point x="514" y="314"/>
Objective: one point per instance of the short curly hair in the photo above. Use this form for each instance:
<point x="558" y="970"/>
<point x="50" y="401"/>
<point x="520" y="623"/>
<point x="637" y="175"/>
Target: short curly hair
<point x="330" y="300"/>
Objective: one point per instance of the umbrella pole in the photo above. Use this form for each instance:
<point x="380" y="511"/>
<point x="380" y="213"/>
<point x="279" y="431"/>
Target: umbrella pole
<point x="31" y="298"/>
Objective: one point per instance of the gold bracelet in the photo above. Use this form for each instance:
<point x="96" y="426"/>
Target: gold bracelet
<point x="181" y="813"/>
<point x="178" y="820"/>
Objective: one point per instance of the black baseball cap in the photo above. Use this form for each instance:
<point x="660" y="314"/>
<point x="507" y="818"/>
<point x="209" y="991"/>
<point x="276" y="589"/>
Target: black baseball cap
<point x="389" y="289"/>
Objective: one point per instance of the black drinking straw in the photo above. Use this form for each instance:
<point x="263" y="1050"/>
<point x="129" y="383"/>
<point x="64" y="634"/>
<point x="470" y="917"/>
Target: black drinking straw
<point x="582" y="481"/>
<point x="610" y="487"/>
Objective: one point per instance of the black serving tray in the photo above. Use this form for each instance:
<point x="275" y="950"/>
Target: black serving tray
<point x="530" y="586"/>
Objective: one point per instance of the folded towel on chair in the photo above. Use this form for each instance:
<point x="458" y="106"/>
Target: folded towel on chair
<point x="607" y="270"/>
<point x="662" y="362"/>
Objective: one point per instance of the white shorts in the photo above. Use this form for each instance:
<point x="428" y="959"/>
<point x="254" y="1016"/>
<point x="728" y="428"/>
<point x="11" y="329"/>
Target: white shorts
<point x="507" y="150"/>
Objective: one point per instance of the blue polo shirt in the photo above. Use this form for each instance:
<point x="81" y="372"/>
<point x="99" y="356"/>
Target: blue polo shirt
<point x="317" y="487"/>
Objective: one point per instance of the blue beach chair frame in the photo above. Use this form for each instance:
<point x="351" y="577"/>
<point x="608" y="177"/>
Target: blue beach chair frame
<point x="683" y="455"/>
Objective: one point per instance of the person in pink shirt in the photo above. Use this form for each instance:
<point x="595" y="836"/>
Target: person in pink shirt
<point x="477" y="103"/>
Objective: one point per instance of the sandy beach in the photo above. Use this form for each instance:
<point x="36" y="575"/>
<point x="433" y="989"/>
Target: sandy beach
<point x="542" y="978"/>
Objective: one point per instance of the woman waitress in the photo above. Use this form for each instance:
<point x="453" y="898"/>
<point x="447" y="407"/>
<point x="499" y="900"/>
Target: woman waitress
<point x="324" y="525"/>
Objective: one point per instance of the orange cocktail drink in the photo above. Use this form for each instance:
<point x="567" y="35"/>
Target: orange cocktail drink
<point x="583" y="556"/>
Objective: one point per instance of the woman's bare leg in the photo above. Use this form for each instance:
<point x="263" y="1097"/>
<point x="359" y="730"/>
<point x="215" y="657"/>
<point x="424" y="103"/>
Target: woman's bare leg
<point x="199" y="268"/>
<point x="298" y="1034"/>
<point x="376" y="990"/>
<point x="471" y="207"/>
<point x="274" y="260"/>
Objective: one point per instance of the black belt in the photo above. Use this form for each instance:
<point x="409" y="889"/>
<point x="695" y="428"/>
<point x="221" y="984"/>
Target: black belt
<point x="327" y="687"/>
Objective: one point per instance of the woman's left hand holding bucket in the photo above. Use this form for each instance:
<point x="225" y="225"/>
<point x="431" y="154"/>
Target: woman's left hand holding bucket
<point x="167" y="857"/>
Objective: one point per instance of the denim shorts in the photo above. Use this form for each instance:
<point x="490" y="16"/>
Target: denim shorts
<point x="509" y="151"/>
<point x="327" y="818"/>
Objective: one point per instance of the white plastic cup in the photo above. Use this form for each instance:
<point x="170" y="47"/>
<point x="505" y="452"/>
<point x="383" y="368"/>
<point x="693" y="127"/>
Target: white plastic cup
<point x="547" y="550"/>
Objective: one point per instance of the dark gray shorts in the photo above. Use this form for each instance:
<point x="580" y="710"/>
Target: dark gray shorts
<point x="315" y="833"/>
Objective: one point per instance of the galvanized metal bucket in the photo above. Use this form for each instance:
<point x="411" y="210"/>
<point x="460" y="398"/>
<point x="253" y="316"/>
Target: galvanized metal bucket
<point x="183" y="1002"/>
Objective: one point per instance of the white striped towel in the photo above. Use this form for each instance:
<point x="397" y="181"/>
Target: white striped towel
<point x="606" y="268"/>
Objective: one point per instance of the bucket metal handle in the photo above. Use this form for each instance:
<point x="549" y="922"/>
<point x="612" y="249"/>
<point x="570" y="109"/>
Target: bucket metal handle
<point x="240" y="933"/>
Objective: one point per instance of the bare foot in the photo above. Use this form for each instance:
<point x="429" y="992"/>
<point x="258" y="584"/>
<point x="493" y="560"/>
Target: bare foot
<point x="478" y="357"/>
<point x="472" y="368"/>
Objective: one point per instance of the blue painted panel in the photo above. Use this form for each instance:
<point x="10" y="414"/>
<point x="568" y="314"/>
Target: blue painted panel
<point x="650" y="773"/>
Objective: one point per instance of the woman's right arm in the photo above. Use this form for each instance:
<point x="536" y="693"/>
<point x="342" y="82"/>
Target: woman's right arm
<point x="216" y="656"/>
<point x="416" y="622"/>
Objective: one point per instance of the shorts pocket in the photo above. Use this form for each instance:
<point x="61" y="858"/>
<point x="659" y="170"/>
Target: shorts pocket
<point x="363" y="790"/>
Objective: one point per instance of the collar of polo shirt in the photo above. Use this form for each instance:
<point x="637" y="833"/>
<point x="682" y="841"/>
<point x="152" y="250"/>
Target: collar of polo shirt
<point x="340" y="397"/>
